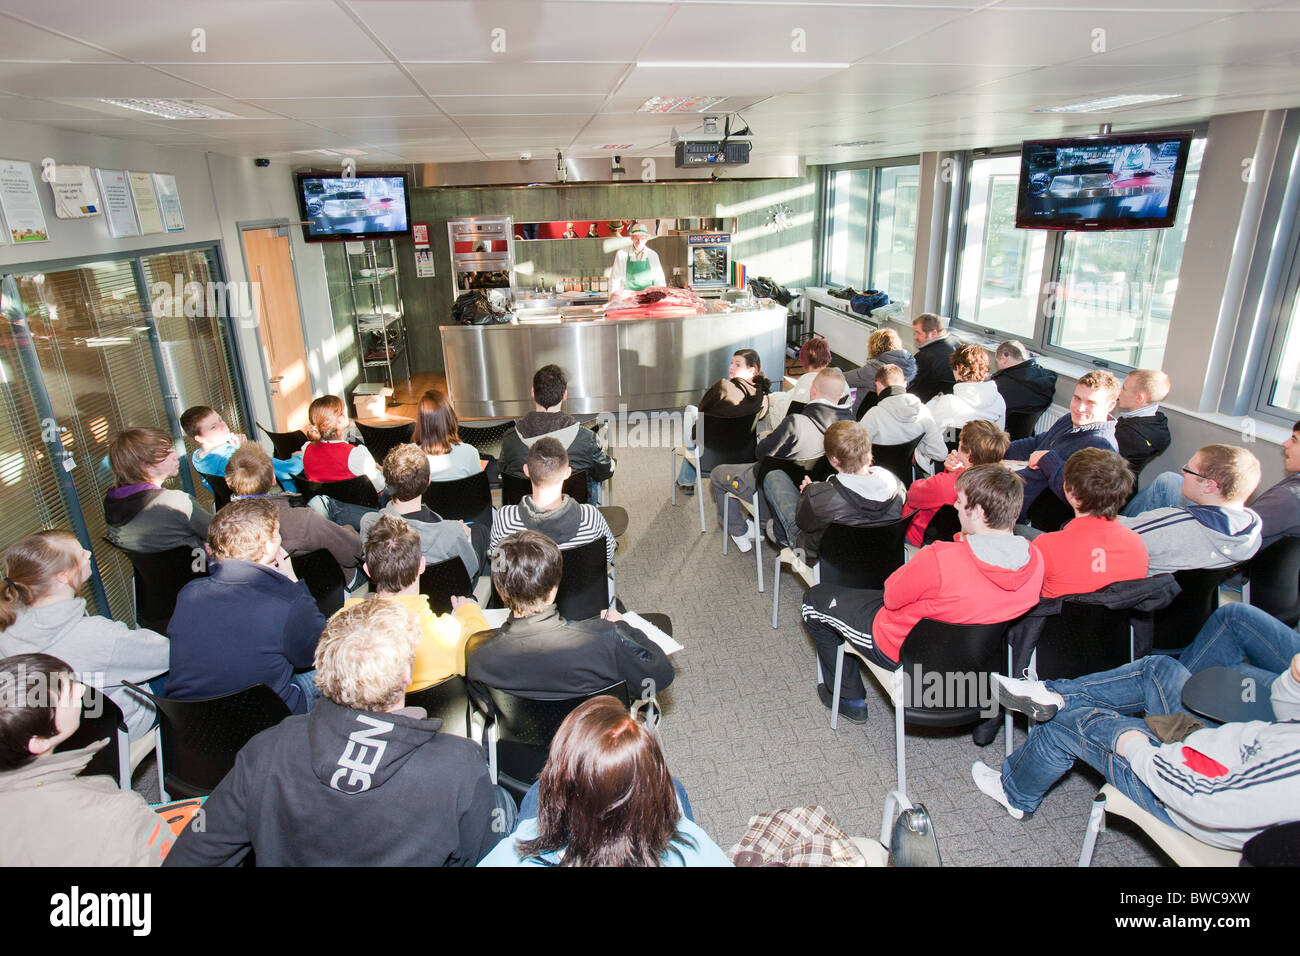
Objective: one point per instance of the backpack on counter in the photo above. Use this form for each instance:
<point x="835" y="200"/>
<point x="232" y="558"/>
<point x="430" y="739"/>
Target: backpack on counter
<point x="864" y="303"/>
<point x="765" y="288"/>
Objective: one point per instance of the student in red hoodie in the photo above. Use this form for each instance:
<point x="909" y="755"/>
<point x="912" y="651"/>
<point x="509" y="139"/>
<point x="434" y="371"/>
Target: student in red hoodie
<point x="981" y="443"/>
<point x="1093" y="550"/>
<point x="988" y="574"/>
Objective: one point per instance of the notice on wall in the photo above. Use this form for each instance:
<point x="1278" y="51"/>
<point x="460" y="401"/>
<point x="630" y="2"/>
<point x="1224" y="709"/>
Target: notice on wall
<point x="75" y="195"/>
<point x="169" y="201"/>
<point x="146" y="202"/>
<point x="424" y="262"/>
<point x="119" y="210"/>
<point x="420" y="233"/>
<point x="21" y="205"/>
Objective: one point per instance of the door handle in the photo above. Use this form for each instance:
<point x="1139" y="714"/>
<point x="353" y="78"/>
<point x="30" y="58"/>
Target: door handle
<point x="275" y="381"/>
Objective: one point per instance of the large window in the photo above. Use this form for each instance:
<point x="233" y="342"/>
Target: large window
<point x="893" y="230"/>
<point x="848" y="194"/>
<point x="870" y="228"/>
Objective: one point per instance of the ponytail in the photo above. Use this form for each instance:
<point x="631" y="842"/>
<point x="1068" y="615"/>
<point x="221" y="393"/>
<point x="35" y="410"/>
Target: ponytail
<point x="325" y="418"/>
<point x="29" y="569"/>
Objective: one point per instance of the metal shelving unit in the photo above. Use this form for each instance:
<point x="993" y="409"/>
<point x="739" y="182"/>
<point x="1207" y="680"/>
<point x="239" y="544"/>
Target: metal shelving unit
<point x="377" y="317"/>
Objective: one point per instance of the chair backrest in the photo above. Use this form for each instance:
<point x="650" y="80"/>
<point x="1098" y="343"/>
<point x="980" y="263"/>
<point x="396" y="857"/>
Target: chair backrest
<point x="1083" y="639"/>
<point x="447" y="700"/>
<point x="818" y="469"/>
<point x="584" y="584"/>
<point x="442" y="581"/>
<point x="1275" y="579"/>
<point x="464" y="499"/>
<point x="100" y="718"/>
<point x="513" y="488"/>
<point x="1021" y="424"/>
<point x="525" y="727"/>
<point x="220" y="490"/>
<point x="862" y="557"/>
<point x="896" y="459"/>
<point x="795" y="407"/>
<point x="729" y="441"/>
<point x="200" y="738"/>
<point x="357" y="490"/>
<point x="1048" y="512"/>
<point x="946" y="670"/>
<point x="870" y="399"/>
<point x="159" y="577"/>
<point x="486" y="438"/>
<point x="1180" y="622"/>
<point x="943" y="526"/>
<point x="285" y="444"/>
<point x="320" y="571"/>
<point x="381" y="439"/>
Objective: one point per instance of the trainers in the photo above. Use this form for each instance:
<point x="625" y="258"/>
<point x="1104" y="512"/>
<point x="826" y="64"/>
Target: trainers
<point x="1029" y="697"/>
<point x="743" y="542"/>
<point x="769" y="529"/>
<point x="686" y="489"/>
<point x="990" y="783"/>
<point x="856" y="714"/>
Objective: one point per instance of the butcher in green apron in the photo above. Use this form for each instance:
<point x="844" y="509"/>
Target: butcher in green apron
<point x="637" y="268"/>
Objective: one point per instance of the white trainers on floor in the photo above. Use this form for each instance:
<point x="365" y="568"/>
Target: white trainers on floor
<point x="744" y="542"/>
<point x="990" y="783"/>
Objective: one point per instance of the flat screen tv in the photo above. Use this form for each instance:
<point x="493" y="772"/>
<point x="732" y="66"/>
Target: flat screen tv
<point x="367" y="206"/>
<point x="1129" y="181"/>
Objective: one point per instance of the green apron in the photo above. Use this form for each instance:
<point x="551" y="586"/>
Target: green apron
<point x="637" y="275"/>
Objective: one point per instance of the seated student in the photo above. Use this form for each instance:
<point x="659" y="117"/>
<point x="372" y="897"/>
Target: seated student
<point x="1025" y="385"/>
<point x="250" y="621"/>
<point x="550" y="389"/>
<point x="537" y="653"/>
<point x="743" y="394"/>
<point x="1279" y="507"/>
<point x="980" y="443"/>
<point x="437" y="432"/>
<point x="1221" y="785"/>
<point x="884" y="347"/>
<point x="1094" y="550"/>
<point x="394" y="565"/>
<point x="406" y="470"/>
<point x="605" y="798"/>
<point x="860" y="494"/>
<point x="217" y="443"/>
<point x="988" y="574"/>
<point x="814" y="356"/>
<point x="899" y="416"/>
<point x="140" y="513"/>
<point x="1245" y="638"/>
<point x="249" y="474"/>
<point x="362" y="780"/>
<point x="973" y="396"/>
<point x="933" y="347"/>
<point x="328" y="457"/>
<point x="50" y="816"/>
<point x="799" y="437"/>
<point x="1142" y="430"/>
<point x="548" y="509"/>
<point x="40" y="613"/>
<point x="1087" y="426"/>
<point x="1217" y="529"/>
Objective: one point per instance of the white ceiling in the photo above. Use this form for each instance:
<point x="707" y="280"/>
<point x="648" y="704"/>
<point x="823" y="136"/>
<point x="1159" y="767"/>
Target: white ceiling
<point x="437" y="80"/>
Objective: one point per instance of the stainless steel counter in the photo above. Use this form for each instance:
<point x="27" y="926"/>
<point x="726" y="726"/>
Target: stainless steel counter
<point x="639" y="363"/>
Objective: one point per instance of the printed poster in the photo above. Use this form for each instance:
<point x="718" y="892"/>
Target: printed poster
<point x="424" y="262"/>
<point x="169" y="201"/>
<point x="75" y="195"/>
<point x="119" y="210"/>
<point x="20" y="203"/>
<point x="147" y="213"/>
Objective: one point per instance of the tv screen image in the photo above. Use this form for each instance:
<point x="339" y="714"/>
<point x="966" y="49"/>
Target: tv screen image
<point x="1102" y="182"/>
<point x="361" y="207"/>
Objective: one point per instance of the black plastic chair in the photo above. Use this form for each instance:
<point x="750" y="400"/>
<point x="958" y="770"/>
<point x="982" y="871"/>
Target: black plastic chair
<point x="796" y="407"/>
<point x="285" y="444"/>
<point x="584" y="584"/>
<point x="320" y="571"/>
<point x="198" y="740"/>
<point x="100" y="718"/>
<point x="1048" y="512"/>
<point x="465" y="499"/>
<point x="357" y="490"/>
<point x="383" y="439"/>
<point x="514" y="488"/>
<point x="1021" y="424"/>
<point x="896" y="459"/>
<point x="731" y="441"/>
<point x="159" y="577"/>
<point x="943" y="526"/>
<point x="220" y="490"/>
<point x="447" y="700"/>
<point x="1177" y="625"/>
<point x="519" y="731"/>
<point x="485" y="438"/>
<point x="443" y="581"/>
<point x="868" y="401"/>
<point x="1083" y="639"/>
<point x="815" y="468"/>
<point x="1273" y="580"/>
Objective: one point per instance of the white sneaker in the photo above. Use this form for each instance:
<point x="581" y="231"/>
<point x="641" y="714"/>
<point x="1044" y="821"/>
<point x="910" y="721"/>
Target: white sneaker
<point x="744" y="541"/>
<point x="990" y="783"/>
<point x="1029" y="697"/>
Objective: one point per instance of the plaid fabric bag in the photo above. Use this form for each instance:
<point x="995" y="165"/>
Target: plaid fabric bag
<point x="802" y="836"/>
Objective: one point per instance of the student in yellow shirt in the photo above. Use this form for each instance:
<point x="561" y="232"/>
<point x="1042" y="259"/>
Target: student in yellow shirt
<point x="394" y="565"/>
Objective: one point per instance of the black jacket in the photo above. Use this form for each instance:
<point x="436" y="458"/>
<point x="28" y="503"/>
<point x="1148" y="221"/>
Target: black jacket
<point x="584" y="449"/>
<point x="802" y="434"/>
<point x="342" y="787"/>
<point x="933" y="373"/>
<point x="825" y="502"/>
<point x="1142" y="437"/>
<point x="1027" y="387"/>
<point x="545" y="657"/>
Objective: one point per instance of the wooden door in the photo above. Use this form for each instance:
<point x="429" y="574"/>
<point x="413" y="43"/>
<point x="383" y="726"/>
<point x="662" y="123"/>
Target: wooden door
<point x="279" y="326"/>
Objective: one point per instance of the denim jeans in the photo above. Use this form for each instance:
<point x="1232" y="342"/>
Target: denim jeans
<point x="306" y="682"/>
<point x="1098" y="709"/>
<point x="783" y="498"/>
<point x="1246" y="639"/>
<point x="528" y="806"/>
<point x="1166" y="491"/>
<point x="339" y="512"/>
<point x="686" y="474"/>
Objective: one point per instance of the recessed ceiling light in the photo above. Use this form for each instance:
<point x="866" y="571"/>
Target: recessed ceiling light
<point x="860" y="142"/>
<point x="615" y="146"/>
<point x="679" y="104"/>
<point x="172" y="109"/>
<point x="1102" y="103"/>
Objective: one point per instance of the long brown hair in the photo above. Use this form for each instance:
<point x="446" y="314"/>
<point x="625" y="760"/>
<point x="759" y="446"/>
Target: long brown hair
<point x="436" y="426"/>
<point x="29" y="569"/>
<point x="137" y="450"/>
<point x="326" y="419"/>
<point x="605" y="796"/>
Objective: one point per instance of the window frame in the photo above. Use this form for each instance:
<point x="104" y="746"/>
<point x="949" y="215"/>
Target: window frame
<point x="826" y="195"/>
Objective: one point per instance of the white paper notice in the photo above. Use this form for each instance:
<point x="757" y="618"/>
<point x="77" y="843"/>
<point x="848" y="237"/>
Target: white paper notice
<point x="21" y="204"/>
<point x="664" y="640"/>
<point x="146" y="202"/>
<point x="169" y="199"/>
<point x="119" y="211"/>
<point x="75" y="195"/>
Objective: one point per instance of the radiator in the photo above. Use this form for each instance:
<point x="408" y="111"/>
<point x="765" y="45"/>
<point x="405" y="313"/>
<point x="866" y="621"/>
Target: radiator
<point x="1050" y="417"/>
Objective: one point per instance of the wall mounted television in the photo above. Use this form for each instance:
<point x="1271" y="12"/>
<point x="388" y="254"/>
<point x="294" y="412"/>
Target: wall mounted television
<point x="1128" y="181"/>
<point x="367" y="206"/>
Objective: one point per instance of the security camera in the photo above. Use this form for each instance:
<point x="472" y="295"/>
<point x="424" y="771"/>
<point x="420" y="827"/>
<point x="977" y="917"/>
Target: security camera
<point x="617" y="169"/>
<point x="525" y="157"/>
<point x="261" y="163"/>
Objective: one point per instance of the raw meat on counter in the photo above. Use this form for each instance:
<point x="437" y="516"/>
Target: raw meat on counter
<point x="656" y="302"/>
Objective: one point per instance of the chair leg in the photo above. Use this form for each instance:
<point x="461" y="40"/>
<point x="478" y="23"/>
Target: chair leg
<point x="776" y="588"/>
<point x="158" y="758"/>
<point x="672" y="473"/>
<point x="699" y="492"/>
<point x="835" y="693"/>
<point x="492" y="751"/>
<point x="895" y="803"/>
<point x="900" y="746"/>
<point x="758" y="544"/>
<point x="123" y="760"/>
<point x="1008" y="722"/>
<point x="1096" y="823"/>
<point x="726" y="507"/>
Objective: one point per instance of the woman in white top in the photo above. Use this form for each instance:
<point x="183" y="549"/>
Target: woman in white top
<point x="437" y="432"/>
<point x="973" y="397"/>
<point x="814" y="355"/>
<point x="637" y="268"/>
